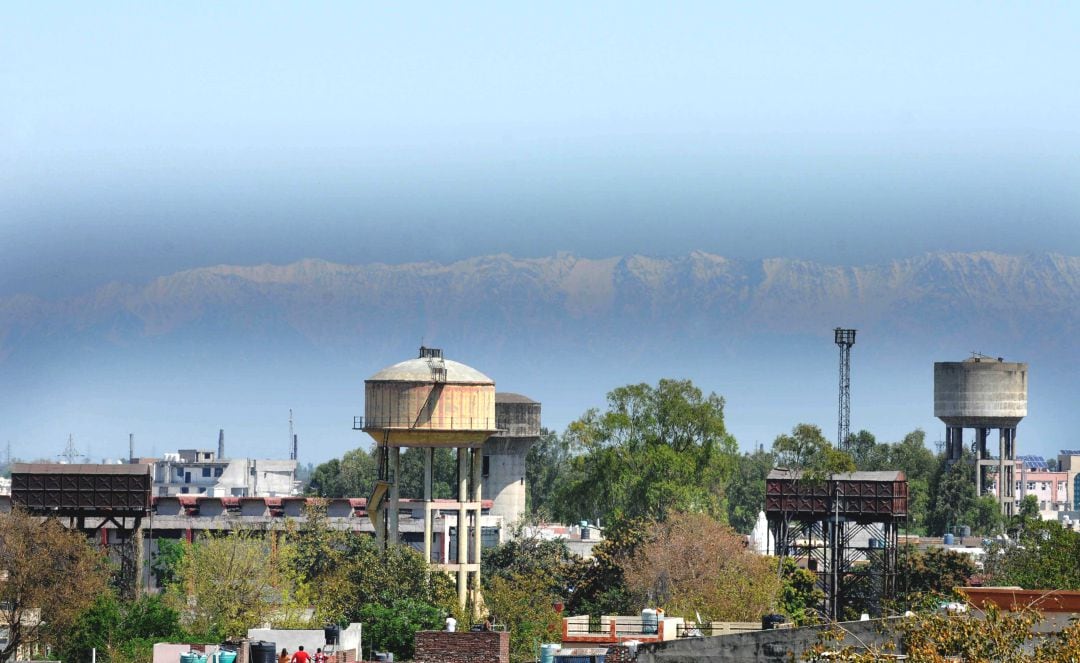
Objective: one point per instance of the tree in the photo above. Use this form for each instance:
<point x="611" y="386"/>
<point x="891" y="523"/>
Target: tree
<point x="1043" y="556"/>
<point x="444" y="471"/>
<point x="985" y="516"/>
<point x="224" y="584"/>
<point x="525" y="555"/>
<point x="800" y="596"/>
<point x="746" y="491"/>
<point x="599" y="585"/>
<point x="806" y="449"/>
<point x="524" y="603"/>
<point x="120" y="631"/>
<point x="866" y="452"/>
<point x="352" y="476"/>
<point x="392" y="628"/>
<point x="547" y="462"/>
<point x="653" y="450"/>
<point x="690" y="564"/>
<point x="953" y="496"/>
<point x="935" y="571"/>
<point x="166" y="561"/>
<point x="52" y="576"/>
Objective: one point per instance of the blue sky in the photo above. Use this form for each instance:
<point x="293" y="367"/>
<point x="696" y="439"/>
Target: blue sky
<point x="145" y="138"/>
<point x="138" y="139"/>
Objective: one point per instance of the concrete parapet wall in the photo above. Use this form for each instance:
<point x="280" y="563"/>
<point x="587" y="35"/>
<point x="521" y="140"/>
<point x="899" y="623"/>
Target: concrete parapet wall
<point x="771" y="646"/>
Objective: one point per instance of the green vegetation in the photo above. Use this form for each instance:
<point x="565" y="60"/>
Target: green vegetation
<point x="654" y="450"/>
<point x="656" y="469"/>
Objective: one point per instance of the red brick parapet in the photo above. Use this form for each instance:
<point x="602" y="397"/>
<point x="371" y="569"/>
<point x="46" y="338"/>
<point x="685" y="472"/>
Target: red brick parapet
<point x="462" y="647"/>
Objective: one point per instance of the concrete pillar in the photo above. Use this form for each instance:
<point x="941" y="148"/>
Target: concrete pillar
<point x="395" y="495"/>
<point x="1006" y="485"/>
<point x="429" y="465"/>
<point x="462" y="524"/>
<point x="477" y="465"/>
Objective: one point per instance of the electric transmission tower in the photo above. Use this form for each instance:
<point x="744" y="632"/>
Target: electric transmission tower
<point x="845" y="338"/>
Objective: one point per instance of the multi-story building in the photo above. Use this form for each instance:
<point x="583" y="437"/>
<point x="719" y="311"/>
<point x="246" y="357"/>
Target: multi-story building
<point x="1051" y="489"/>
<point x="199" y="472"/>
<point x="1069" y="462"/>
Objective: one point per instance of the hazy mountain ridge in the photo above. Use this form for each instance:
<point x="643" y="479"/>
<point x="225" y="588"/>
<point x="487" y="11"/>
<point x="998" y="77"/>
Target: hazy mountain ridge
<point x="500" y="296"/>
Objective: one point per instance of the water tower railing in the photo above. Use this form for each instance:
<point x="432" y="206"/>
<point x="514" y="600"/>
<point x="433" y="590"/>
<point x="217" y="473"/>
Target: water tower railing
<point x="435" y="423"/>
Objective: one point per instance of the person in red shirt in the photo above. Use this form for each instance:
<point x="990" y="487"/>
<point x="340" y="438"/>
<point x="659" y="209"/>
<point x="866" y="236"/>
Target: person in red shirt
<point x="320" y="657"/>
<point x="301" y="656"/>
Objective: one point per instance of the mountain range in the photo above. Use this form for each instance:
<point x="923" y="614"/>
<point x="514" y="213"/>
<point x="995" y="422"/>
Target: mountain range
<point x="568" y="313"/>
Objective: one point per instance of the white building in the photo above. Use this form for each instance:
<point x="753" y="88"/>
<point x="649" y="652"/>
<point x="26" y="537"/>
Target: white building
<point x="198" y="472"/>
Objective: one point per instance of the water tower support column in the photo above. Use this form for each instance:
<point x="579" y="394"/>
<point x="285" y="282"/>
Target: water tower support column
<point x="429" y="452"/>
<point x="477" y="466"/>
<point x="462" y="524"/>
<point x="395" y="495"/>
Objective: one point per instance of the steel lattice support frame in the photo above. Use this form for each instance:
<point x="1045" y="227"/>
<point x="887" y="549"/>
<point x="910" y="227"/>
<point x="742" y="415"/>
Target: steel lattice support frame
<point x="845" y="338"/>
<point x="844" y="567"/>
<point x="844" y="529"/>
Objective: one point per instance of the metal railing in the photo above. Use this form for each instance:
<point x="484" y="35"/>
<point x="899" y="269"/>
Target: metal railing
<point x="433" y="423"/>
<point x="613" y="627"/>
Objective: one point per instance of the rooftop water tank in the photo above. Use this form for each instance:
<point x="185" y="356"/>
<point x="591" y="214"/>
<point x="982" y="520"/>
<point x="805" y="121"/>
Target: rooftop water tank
<point x="429" y="402"/>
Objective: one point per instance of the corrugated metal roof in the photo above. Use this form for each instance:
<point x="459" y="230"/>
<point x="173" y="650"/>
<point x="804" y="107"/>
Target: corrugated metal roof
<point x="884" y="475"/>
<point x="61" y="468"/>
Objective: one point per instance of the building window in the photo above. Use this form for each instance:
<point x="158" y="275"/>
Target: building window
<point x="1045" y="486"/>
<point x="184" y="490"/>
<point x="187" y="478"/>
<point x="1031" y="485"/>
<point x="217" y="471"/>
<point x="487" y="466"/>
<point x="202" y="490"/>
<point x="206" y="471"/>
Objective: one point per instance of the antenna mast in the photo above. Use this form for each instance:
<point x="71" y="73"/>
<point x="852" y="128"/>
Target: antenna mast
<point x="70" y="453"/>
<point x="845" y="338"/>
<point x="292" y="438"/>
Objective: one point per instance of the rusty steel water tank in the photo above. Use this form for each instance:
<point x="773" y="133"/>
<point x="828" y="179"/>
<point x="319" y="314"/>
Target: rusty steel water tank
<point x="981" y="392"/>
<point x="429" y="402"/>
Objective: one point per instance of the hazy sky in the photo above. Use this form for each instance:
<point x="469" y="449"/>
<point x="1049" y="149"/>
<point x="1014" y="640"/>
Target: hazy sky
<point x="138" y="139"/>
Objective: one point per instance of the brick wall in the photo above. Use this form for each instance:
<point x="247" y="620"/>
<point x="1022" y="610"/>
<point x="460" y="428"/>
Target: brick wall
<point x="462" y="647"/>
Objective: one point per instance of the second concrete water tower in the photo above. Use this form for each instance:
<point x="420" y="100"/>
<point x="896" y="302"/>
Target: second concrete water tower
<point x="430" y="402"/>
<point x="983" y="393"/>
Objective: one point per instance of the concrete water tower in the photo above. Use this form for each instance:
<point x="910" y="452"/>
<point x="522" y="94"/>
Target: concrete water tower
<point x="983" y="393"/>
<point x="518" y="419"/>
<point x="431" y="402"/>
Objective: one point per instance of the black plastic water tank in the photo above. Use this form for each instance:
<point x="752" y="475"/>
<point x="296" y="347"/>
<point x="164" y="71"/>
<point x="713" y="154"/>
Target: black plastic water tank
<point x="263" y="652"/>
<point x="769" y="622"/>
<point x="332" y="634"/>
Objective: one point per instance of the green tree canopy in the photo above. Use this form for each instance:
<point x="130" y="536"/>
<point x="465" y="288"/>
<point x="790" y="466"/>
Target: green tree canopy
<point x="746" y="491"/>
<point x="653" y="450"/>
<point x="352" y="476"/>
<point x="807" y="449"/>
<point x="547" y="463"/>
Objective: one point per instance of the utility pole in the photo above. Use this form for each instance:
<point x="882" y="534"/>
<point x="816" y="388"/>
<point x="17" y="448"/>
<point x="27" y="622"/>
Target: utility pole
<point x="845" y="338"/>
